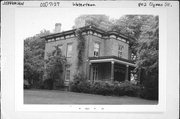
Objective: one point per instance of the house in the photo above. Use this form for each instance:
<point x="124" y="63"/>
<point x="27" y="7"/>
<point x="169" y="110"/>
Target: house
<point x="106" y="56"/>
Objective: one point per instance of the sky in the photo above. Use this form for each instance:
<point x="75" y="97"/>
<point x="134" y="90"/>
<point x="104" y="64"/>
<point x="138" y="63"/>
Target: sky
<point x="30" y="21"/>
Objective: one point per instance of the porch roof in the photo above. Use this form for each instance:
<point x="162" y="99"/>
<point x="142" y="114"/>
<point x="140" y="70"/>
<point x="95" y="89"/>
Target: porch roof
<point x="110" y="59"/>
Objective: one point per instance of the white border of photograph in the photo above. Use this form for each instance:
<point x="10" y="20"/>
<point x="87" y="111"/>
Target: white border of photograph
<point x="99" y="108"/>
<point x="12" y="106"/>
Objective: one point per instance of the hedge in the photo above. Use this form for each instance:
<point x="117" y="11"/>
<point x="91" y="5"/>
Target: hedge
<point x="105" y="88"/>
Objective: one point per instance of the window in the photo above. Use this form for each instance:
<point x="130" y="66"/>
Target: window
<point x="67" y="75"/>
<point x="96" y="49"/>
<point x="69" y="50"/>
<point x="120" y="49"/>
<point x="95" y="73"/>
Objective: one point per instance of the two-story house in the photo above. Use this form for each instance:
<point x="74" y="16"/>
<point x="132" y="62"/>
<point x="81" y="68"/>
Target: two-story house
<point x="107" y="55"/>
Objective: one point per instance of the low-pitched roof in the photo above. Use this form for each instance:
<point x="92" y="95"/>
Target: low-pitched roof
<point x="85" y="28"/>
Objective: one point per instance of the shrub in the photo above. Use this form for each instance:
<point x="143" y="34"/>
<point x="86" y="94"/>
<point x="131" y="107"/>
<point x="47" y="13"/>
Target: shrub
<point x="55" y="63"/>
<point x="80" y="84"/>
<point x="47" y="84"/>
<point x="130" y="89"/>
<point x="119" y="90"/>
<point x="83" y="87"/>
<point x="26" y="85"/>
<point x="150" y="87"/>
<point x="104" y="88"/>
<point x="149" y="92"/>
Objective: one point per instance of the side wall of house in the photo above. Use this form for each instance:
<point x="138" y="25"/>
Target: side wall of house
<point x="95" y="39"/>
<point x="89" y="50"/>
<point x="108" y="47"/>
<point x="115" y="45"/>
<point x="49" y="47"/>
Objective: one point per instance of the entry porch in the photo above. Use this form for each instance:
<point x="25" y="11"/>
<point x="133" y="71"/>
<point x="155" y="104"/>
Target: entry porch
<point x="110" y="69"/>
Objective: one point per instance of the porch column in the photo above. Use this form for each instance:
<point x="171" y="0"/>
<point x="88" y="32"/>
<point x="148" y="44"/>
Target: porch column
<point x="112" y="70"/>
<point x="90" y="71"/>
<point x="127" y="73"/>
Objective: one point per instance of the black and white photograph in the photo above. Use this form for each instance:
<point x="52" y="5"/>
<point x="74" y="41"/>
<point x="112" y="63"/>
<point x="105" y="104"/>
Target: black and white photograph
<point x="89" y="57"/>
<point x="101" y="59"/>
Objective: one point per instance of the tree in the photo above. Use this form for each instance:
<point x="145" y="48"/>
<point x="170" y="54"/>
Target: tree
<point x="55" y="64"/>
<point x="148" y="46"/>
<point x="34" y="58"/>
<point x="100" y="21"/>
<point x="129" y="25"/>
<point x="147" y="51"/>
<point x="132" y="26"/>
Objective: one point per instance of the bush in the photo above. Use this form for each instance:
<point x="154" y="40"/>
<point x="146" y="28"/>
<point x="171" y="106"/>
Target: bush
<point x="26" y="85"/>
<point x="131" y="89"/>
<point x="82" y="85"/>
<point x="47" y="84"/>
<point x="149" y="91"/>
<point x="150" y="87"/>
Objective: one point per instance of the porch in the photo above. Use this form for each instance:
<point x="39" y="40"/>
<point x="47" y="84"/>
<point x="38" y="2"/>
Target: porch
<point x="110" y="68"/>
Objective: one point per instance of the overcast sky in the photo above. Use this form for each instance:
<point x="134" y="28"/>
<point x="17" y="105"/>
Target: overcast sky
<point x="31" y="21"/>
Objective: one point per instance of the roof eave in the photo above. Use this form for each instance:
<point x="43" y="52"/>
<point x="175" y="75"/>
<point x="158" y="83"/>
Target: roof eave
<point x="85" y="28"/>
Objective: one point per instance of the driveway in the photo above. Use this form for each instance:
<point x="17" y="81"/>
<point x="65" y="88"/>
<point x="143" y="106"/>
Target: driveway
<point x="65" y="97"/>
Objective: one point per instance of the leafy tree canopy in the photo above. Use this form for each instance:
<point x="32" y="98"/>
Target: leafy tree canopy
<point x="34" y="57"/>
<point x="143" y="28"/>
<point x="100" y="21"/>
<point x="55" y="63"/>
<point x="148" y="46"/>
<point x="129" y="25"/>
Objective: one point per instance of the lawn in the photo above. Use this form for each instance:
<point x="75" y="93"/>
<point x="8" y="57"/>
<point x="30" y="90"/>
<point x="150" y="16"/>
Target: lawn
<point x="65" y="97"/>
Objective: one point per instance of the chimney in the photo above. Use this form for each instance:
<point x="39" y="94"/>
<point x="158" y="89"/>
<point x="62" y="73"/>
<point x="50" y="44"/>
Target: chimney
<point x="57" y="28"/>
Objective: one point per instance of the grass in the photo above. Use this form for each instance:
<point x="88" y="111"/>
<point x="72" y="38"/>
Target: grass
<point x="65" y="97"/>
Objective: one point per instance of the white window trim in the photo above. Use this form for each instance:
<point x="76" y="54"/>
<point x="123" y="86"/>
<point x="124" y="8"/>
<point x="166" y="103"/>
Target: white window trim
<point x="95" y="49"/>
<point x="68" y="44"/>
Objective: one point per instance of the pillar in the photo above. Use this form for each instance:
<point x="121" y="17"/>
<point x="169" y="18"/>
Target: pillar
<point x="90" y="65"/>
<point x="112" y="70"/>
<point x="127" y="73"/>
